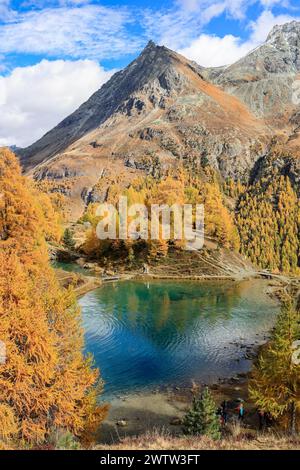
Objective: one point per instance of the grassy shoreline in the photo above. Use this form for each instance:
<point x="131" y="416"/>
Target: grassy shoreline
<point x="237" y="440"/>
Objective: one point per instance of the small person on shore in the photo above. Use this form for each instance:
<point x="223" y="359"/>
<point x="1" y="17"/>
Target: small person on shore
<point x="241" y="411"/>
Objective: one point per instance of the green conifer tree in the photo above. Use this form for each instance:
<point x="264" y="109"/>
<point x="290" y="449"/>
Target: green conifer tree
<point x="68" y="239"/>
<point x="275" y="383"/>
<point x="202" y="419"/>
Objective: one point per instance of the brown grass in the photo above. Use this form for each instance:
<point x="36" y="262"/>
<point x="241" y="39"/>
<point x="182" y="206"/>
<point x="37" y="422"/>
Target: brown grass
<point x="160" y="440"/>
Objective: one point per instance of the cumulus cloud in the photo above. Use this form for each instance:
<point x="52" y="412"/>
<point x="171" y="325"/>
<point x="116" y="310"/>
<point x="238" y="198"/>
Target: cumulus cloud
<point x="34" y="99"/>
<point x="178" y="27"/>
<point x="214" y="51"/>
<point x="263" y="25"/>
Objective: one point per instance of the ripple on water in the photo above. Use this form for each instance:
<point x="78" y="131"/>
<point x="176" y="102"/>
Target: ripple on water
<point x="144" y="335"/>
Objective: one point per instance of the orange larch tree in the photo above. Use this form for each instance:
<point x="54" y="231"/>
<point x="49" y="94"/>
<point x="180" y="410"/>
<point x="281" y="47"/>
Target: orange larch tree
<point x="46" y="382"/>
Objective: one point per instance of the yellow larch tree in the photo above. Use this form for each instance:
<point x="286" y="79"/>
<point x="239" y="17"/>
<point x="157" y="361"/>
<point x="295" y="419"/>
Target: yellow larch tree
<point x="46" y="383"/>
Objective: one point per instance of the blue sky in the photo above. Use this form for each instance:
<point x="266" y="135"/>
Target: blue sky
<point x="54" y="54"/>
<point x="113" y="32"/>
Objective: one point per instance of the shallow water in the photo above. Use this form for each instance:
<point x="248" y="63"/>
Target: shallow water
<point x="73" y="268"/>
<point x="144" y="335"/>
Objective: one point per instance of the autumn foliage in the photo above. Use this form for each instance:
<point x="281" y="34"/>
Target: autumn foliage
<point x="275" y="383"/>
<point x="268" y="220"/>
<point x="179" y="188"/>
<point x="46" y="383"/>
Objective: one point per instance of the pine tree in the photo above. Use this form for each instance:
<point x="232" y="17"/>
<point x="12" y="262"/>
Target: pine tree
<point x="218" y="220"/>
<point x="202" y="419"/>
<point x="268" y="221"/>
<point x="68" y="239"/>
<point x="275" y="383"/>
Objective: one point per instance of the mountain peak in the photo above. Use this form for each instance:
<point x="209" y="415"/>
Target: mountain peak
<point x="286" y="40"/>
<point x="154" y="83"/>
<point x="288" y="31"/>
<point x="151" y="45"/>
<point x="153" y="70"/>
<point x="153" y="51"/>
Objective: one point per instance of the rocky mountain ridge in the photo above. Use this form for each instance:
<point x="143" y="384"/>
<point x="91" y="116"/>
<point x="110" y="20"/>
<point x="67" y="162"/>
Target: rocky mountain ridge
<point x="164" y="110"/>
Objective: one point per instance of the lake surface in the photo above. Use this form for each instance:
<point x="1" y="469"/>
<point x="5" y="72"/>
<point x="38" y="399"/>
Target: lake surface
<point x="145" y="335"/>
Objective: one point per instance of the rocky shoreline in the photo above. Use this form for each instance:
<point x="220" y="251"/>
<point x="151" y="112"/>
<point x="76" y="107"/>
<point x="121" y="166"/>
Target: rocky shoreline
<point x="162" y="409"/>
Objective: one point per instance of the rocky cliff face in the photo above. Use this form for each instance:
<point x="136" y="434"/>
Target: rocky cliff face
<point x="163" y="109"/>
<point x="151" y="68"/>
<point x="265" y="79"/>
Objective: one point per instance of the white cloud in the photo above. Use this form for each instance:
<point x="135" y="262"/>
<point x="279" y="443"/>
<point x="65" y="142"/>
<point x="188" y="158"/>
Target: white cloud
<point x="4" y="10"/>
<point x="213" y="51"/>
<point x="34" y="99"/>
<point x="89" y="31"/>
<point x="235" y="8"/>
<point x="263" y="25"/>
<point x="191" y="5"/>
<point x="83" y="29"/>
<point x="178" y="26"/>
<point x="271" y="3"/>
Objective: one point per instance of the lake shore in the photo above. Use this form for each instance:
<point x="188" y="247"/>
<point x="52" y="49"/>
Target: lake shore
<point x="88" y="280"/>
<point x="161" y="411"/>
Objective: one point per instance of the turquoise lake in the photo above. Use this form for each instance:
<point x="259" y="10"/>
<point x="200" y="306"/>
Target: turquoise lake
<point x="145" y="335"/>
